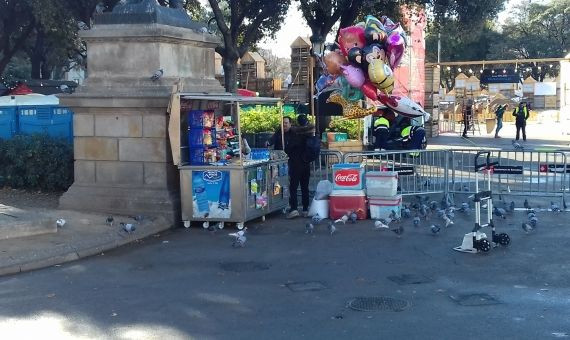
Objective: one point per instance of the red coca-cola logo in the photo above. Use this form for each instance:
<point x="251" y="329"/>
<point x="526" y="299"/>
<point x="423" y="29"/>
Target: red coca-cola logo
<point x="347" y="177"/>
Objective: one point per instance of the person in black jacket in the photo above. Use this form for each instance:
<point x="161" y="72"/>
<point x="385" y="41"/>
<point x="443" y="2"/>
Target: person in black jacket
<point x="276" y="141"/>
<point x="521" y="114"/>
<point x="299" y="169"/>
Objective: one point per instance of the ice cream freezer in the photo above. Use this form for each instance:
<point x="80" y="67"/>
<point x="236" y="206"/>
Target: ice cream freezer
<point x="218" y="182"/>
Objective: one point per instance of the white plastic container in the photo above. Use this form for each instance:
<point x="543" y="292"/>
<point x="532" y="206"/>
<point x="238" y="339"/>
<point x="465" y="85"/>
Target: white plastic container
<point x="382" y="183"/>
<point x="320" y="207"/>
<point x="382" y="207"/>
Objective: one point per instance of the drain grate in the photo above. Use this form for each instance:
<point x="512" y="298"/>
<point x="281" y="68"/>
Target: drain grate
<point x="241" y="267"/>
<point x="378" y="303"/>
<point x="410" y="279"/>
<point x="306" y="286"/>
<point x="477" y="299"/>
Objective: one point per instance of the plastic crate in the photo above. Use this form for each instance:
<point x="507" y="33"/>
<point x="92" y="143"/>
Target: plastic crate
<point x="382" y="207"/>
<point x="381" y="183"/>
<point x="7" y="122"/>
<point x="202" y="137"/>
<point x="201" y="119"/>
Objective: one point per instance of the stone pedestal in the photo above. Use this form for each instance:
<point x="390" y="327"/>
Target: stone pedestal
<point x="123" y="160"/>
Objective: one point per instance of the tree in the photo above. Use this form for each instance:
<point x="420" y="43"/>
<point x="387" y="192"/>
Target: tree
<point x="276" y="67"/>
<point x="243" y="23"/>
<point x="17" y="21"/>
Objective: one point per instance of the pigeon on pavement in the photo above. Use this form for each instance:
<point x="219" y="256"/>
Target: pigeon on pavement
<point x="399" y="230"/>
<point x="533" y="221"/>
<point x="352" y="217"/>
<point x="526" y="205"/>
<point x="500" y="212"/>
<point x="527" y="227"/>
<point x="309" y="227"/>
<point x="554" y="207"/>
<point x="379" y="225"/>
<point x="60" y="223"/>
<point x="447" y="221"/>
<point x="416" y="221"/>
<point x="239" y="238"/>
<point x="110" y="220"/>
<point x="332" y="228"/>
<point x="435" y="229"/>
<point x="516" y="145"/>
<point x="406" y="212"/>
<point x="128" y="227"/>
<point x="512" y="207"/>
<point x="316" y="219"/>
<point x="342" y="220"/>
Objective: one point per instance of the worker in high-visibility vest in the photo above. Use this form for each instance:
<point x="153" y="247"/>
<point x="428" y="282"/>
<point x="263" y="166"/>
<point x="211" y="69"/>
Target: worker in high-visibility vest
<point x="413" y="136"/>
<point x="381" y="133"/>
<point x="521" y="114"/>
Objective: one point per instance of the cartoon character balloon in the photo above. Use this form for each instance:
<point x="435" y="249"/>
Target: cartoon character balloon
<point x="353" y="75"/>
<point x="395" y="47"/>
<point x="334" y="61"/>
<point x="350" y="37"/>
<point x="381" y="75"/>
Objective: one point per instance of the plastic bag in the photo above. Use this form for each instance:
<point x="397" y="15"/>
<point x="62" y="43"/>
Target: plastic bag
<point x="324" y="189"/>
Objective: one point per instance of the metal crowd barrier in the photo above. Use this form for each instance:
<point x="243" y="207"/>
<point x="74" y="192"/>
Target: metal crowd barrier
<point x="524" y="172"/>
<point x="321" y="168"/>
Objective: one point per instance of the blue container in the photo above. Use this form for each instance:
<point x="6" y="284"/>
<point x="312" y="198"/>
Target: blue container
<point x="7" y="122"/>
<point x="259" y="154"/>
<point x="55" y="121"/>
<point x="196" y="137"/>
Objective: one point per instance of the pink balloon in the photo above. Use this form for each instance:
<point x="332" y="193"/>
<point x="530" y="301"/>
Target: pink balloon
<point x="395" y="48"/>
<point x="353" y="75"/>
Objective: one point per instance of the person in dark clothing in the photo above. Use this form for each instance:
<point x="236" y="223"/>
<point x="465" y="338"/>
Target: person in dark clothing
<point x="521" y="114"/>
<point x="499" y="114"/>
<point x="467" y="113"/>
<point x="276" y="141"/>
<point x="299" y="170"/>
<point x="381" y="133"/>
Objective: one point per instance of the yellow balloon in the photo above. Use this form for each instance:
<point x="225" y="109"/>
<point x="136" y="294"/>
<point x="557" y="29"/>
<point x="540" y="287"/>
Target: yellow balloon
<point x="381" y="75"/>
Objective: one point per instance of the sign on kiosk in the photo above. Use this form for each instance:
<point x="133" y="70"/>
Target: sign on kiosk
<point x="348" y="176"/>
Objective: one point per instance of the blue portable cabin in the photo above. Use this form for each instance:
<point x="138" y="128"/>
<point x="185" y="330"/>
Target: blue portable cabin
<point x="35" y="114"/>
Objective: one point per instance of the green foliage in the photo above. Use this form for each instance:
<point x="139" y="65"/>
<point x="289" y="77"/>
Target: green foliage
<point x="36" y="162"/>
<point x="260" y="119"/>
<point x="352" y="127"/>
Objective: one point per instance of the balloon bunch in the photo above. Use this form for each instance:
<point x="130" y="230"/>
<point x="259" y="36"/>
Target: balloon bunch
<point x="363" y="65"/>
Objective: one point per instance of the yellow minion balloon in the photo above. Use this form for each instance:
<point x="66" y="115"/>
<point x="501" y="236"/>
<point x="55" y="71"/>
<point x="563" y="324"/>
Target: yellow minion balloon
<point x="381" y="75"/>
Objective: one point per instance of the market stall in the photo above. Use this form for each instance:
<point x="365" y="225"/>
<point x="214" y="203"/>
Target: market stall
<point x="222" y="179"/>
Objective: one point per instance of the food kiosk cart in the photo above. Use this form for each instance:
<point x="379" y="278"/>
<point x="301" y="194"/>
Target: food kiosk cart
<point x="218" y="182"/>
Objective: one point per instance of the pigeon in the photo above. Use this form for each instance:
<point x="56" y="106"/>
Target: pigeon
<point x="82" y="26"/>
<point x="316" y="219"/>
<point x="204" y="30"/>
<point x="526" y="205"/>
<point x="464" y="207"/>
<point x="531" y="215"/>
<point x="435" y="229"/>
<point x="527" y="227"/>
<point x="110" y="220"/>
<point x="398" y="231"/>
<point x="138" y="218"/>
<point x="100" y="8"/>
<point x="440" y="213"/>
<point x="516" y="145"/>
<point x="239" y="238"/>
<point x="450" y="213"/>
<point x="60" y="223"/>
<point x="533" y="221"/>
<point x="394" y="217"/>
<point x="512" y="206"/>
<point x="554" y="207"/>
<point x="64" y="88"/>
<point x="416" y="221"/>
<point x="379" y="225"/>
<point x="309" y="227"/>
<point x="564" y="203"/>
<point x="447" y="221"/>
<point x="128" y="227"/>
<point x="424" y="211"/>
<point x="433" y="205"/>
<point x="352" y="217"/>
<point x="342" y="220"/>
<point x="157" y="75"/>
<point x="500" y="212"/>
<point x="332" y="228"/>
<point x="406" y="212"/>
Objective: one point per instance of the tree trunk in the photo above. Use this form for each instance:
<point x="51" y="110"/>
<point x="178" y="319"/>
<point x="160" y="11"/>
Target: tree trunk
<point x="37" y="57"/>
<point x="230" y="74"/>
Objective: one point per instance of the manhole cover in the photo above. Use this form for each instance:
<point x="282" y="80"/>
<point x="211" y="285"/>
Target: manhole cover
<point x="240" y="267"/>
<point x="378" y="303"/>
<point x="475" y="299"/>
<point x="306" y="286"/>
<point x="410" y="279"/>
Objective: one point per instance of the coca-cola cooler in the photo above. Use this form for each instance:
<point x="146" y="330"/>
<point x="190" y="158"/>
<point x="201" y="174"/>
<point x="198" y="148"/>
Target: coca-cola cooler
<point x="345" y="201"/>
<point x="348" y="176"/>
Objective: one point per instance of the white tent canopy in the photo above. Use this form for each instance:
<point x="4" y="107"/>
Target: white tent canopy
<point x="28" y="100"/>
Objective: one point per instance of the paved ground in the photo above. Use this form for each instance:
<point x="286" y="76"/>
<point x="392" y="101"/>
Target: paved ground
<point x="190" y="283"/>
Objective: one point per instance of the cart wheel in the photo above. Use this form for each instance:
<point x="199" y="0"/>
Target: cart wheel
<point x="484" y="245"/>
<point x="263" y="218"/>
<point x="240" y="225"/>
<point x="186" y="224"/>
<point x="205" y="225"/>
<point x="221" y="225"/>
<point x="504" y="239"/>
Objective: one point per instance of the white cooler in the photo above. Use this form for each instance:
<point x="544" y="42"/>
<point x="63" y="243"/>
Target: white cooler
<point x="381" y="207"/>
<point x="381" y="183"/>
